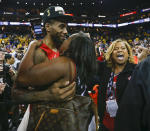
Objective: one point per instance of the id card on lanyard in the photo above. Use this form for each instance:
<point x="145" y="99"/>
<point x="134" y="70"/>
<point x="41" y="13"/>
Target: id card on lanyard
<point x="111" y="104"/>
<point x="112" y="107"/>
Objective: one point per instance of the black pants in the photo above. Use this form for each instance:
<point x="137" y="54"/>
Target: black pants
<point x="3" y="118"/>
<point x="102" y="128"/>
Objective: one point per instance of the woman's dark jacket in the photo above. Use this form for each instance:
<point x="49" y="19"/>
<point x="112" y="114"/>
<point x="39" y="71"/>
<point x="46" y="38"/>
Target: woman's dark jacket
<point x="104" y="73"/>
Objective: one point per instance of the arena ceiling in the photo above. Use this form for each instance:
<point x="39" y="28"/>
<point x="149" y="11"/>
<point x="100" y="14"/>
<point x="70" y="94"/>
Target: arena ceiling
<point x="79" y="7"/>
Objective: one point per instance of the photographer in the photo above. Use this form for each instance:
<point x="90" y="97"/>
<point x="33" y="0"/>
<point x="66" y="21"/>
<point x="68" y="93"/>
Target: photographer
<point x="7" y="75"/>
<point x="18" y="56"/>
<point x="3" y="94"/>
<point x="10" y="73"/>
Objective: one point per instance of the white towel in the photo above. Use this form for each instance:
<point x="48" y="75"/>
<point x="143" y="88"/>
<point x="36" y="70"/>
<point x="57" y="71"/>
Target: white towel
<point x="24" y="123"/>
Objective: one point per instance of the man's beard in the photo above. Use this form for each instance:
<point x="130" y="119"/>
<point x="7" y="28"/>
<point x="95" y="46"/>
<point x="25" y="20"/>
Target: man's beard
<point x="57" y="40"/>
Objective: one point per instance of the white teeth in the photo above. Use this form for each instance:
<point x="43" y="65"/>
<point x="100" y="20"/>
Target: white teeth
<point x="120" y="57"/>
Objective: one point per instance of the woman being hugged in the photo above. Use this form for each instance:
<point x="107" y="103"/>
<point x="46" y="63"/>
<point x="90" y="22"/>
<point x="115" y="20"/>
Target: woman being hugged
<point x="78" y="63"/>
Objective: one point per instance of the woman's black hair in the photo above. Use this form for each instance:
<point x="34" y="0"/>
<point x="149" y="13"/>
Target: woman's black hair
<point x="82" y="51"/>
<point x="8" y="56"/>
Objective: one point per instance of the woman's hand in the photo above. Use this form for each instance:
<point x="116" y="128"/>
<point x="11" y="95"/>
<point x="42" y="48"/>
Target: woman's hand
<point x="2" y="87"/>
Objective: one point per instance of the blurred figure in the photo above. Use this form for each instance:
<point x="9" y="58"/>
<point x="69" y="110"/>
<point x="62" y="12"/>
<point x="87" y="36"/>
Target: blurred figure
<point x="4" y="96"/>
<point x="134" y="110"/>
<point x="142" y="53"/>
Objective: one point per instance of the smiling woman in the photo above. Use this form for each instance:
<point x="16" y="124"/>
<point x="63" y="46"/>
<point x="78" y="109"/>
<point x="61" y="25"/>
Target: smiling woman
<point x="114" y="75"/>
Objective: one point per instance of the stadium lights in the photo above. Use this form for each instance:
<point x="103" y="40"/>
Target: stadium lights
<point x="84" y="15"/>
<point x="65" y="14"/>
<point x="144" y="10"/>
<point x="72" y="24"/>
<point x="8" y="13"/>
<point x="69" y="14"/>
<point x="130" y="13"/>
<point x="98" y="25"/>
<point x="123" y="24"/>
<point x="27" y="13"/>
<point x="41" y="13"/>
<point x="84" y="24"/>
<point x="101" y="16"/>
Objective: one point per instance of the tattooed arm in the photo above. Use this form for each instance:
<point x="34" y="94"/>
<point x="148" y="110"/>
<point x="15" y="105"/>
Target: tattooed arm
<point x="53" y="93"/>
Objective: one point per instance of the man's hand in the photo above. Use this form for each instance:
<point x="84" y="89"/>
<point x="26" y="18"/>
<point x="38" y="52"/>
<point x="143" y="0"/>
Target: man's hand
<point x="58" y="93"/>
<point x="2" y="87"/>
<point x="54" y="93"/>
<point x="11" y="72"/>
<point x="1" y="68"/>
<point x="142" y="53"/>
<point x="36" y="43"/>
<point x="2" y="56"/>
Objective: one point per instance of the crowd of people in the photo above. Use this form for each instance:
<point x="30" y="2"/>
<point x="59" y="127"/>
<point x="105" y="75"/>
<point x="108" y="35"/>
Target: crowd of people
<point x="57" y="69"/>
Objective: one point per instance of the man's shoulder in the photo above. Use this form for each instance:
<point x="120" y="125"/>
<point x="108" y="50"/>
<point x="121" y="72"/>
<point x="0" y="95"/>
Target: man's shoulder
<point x="39" y="56"/>
<point x="147" y="60"/>
<point x="39" y="51"/>
<point x="36" y="42"/>
<point x="145" y="63"/>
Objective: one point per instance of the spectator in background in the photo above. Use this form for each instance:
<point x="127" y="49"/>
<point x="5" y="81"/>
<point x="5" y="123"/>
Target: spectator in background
<point x="114" y="75"/>
<point x="18" y="57"/>
<point x="4" y="96"/>
<point x="8" y="69"/>
<point x="9" y="59"/>
<point x="142" y="53"/>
